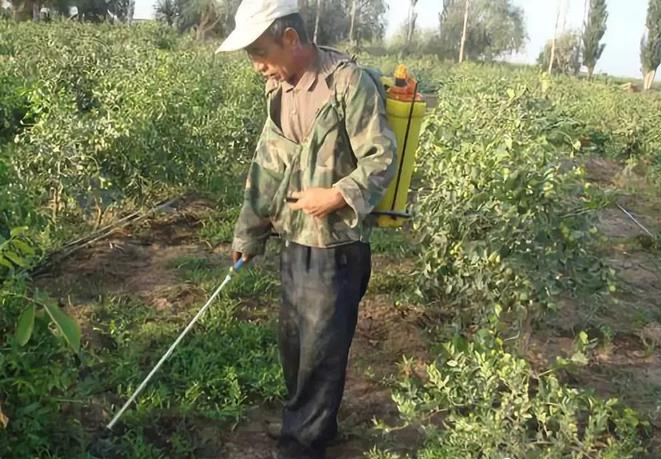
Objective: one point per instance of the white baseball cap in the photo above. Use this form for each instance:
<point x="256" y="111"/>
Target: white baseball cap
<point x="253" y="18"/>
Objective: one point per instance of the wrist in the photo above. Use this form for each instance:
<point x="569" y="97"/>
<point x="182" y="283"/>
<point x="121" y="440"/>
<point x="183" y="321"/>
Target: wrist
<point x="338" y="198"/>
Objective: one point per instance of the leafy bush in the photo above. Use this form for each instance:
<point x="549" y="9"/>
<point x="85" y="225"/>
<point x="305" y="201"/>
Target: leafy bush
<point x="114" y="116"/>
<point x="35" y="378"/>
<point x="479" y="401"/>
<point x="94" y="117"/>
<point x="504" y="216"/>
<point x="53" y="399"/>
<point x="612" y="122"/>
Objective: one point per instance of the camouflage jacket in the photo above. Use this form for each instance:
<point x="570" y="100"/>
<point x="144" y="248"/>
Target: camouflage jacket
<point x="350" y="147"/>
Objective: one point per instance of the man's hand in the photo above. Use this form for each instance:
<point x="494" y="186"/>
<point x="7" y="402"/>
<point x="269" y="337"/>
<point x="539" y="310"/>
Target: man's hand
<point x="318" y="202"/>
<point x="238" y="255"/>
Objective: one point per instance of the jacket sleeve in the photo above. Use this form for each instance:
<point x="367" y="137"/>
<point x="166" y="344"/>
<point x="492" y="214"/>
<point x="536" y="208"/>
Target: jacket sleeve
<point x="253" y="226"/>
<point x="373" y="144"/>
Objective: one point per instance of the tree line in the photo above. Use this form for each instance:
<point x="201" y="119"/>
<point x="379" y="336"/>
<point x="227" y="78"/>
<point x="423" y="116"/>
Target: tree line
<point x="467" y="29"/>
<point x="356" y="21"/>
<point x="567" y="52"/>
<point x="84" y="10"/>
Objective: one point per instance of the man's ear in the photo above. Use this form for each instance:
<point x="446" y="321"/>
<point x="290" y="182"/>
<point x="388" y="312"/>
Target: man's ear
<point x="290" y="38"/>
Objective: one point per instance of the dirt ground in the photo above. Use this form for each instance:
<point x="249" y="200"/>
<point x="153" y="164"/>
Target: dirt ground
<point x="141" y="261"/>
<point x="626" y="361"/>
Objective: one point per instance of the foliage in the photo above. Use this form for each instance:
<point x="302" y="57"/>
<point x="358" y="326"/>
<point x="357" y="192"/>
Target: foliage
<point x="370" y="21"/>
<point x="505" y="219"/>
<point x="650" y="44"/>
<point x="216" y="17"/>
<point x="334" y="28"/>
<point x="18" y="254"/>
<point x="567" y="58"/>
<point x="115" y="117"/>
<point x="110" y="117"/>
<point x="88" y="10"/>
<point x="594" y="32"/>
<point x="222" y="364"/>
<point x="167" y="11"/>
<point x="206" y="17"/>
<point x="34" y="378"/>
<point x="610" y="122"/>
<point x="478" y="400"/>
<point x="98" y="10"/>
<point x="494" y="28"/>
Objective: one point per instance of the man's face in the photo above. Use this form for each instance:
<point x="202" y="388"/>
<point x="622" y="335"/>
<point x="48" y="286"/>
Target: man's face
<point x="273" y="59"/>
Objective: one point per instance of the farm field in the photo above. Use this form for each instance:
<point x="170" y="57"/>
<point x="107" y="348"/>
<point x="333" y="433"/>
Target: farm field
<point x="518" y="314"/>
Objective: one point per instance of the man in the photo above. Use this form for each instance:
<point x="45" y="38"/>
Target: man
<point x="323" y="162"/>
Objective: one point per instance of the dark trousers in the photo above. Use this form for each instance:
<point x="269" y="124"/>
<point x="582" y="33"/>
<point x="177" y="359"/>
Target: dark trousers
<point x="321" y="292"/>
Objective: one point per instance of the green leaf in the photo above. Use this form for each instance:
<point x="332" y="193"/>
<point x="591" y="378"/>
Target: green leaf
<point x="23" y="247"/>
<point x="16" y="259"/>
<point x="583" y="338"/>
<point x="5" y="263"/>
<point x="18" y="231"/>
<point x="580" y="359"/>
<point x="25" y="325"/>
<point x="67" y="326"/>
<point x="577" y="145"/>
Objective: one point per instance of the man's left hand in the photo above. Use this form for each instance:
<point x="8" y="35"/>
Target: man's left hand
<point x="318" y="202"/>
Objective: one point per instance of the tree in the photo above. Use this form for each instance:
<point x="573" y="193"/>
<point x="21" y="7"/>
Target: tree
<point x="565" y="55"/>
<point x="167" y="11"/>
<point x="369" y="20"/>
<point x="216" y="18"/>
<point x="464" y="30"/>
<point x="98" y="10"/>
<point x="122" y="9"/>
<point x="650" y="45"/>
<point x="443" y="15"/>
<point x="362" y="25"/>
<point x="334" y="27"/>
<point x="410" y="25"/>
<point x="89" y="10"/>
<point x="551" y="58"/>
<point x="352" y="28"/>
<point x="205" y="17"/>
<point x="595" y="28"/>
<point x="496" y="28"/>
<point x="317" y="15"/>
<point x="25" y="10"/>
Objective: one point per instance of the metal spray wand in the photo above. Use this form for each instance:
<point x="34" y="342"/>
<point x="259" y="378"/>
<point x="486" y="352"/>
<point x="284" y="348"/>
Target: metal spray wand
<point x="237" y="266"/>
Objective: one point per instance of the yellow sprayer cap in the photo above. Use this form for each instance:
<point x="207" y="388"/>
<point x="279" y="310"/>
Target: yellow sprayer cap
<point x="401" y="72"/>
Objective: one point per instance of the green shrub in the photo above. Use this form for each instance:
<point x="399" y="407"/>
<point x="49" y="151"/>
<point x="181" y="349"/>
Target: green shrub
<point x="479" y="401"/>
<point x="504" y="215"/>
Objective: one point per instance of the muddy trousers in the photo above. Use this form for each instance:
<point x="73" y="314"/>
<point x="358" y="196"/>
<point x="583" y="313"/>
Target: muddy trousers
<point x="321" y="292"/>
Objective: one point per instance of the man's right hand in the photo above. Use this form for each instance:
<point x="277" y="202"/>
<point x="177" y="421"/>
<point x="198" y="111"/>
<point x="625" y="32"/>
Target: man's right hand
<point x="238" y="255"/>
